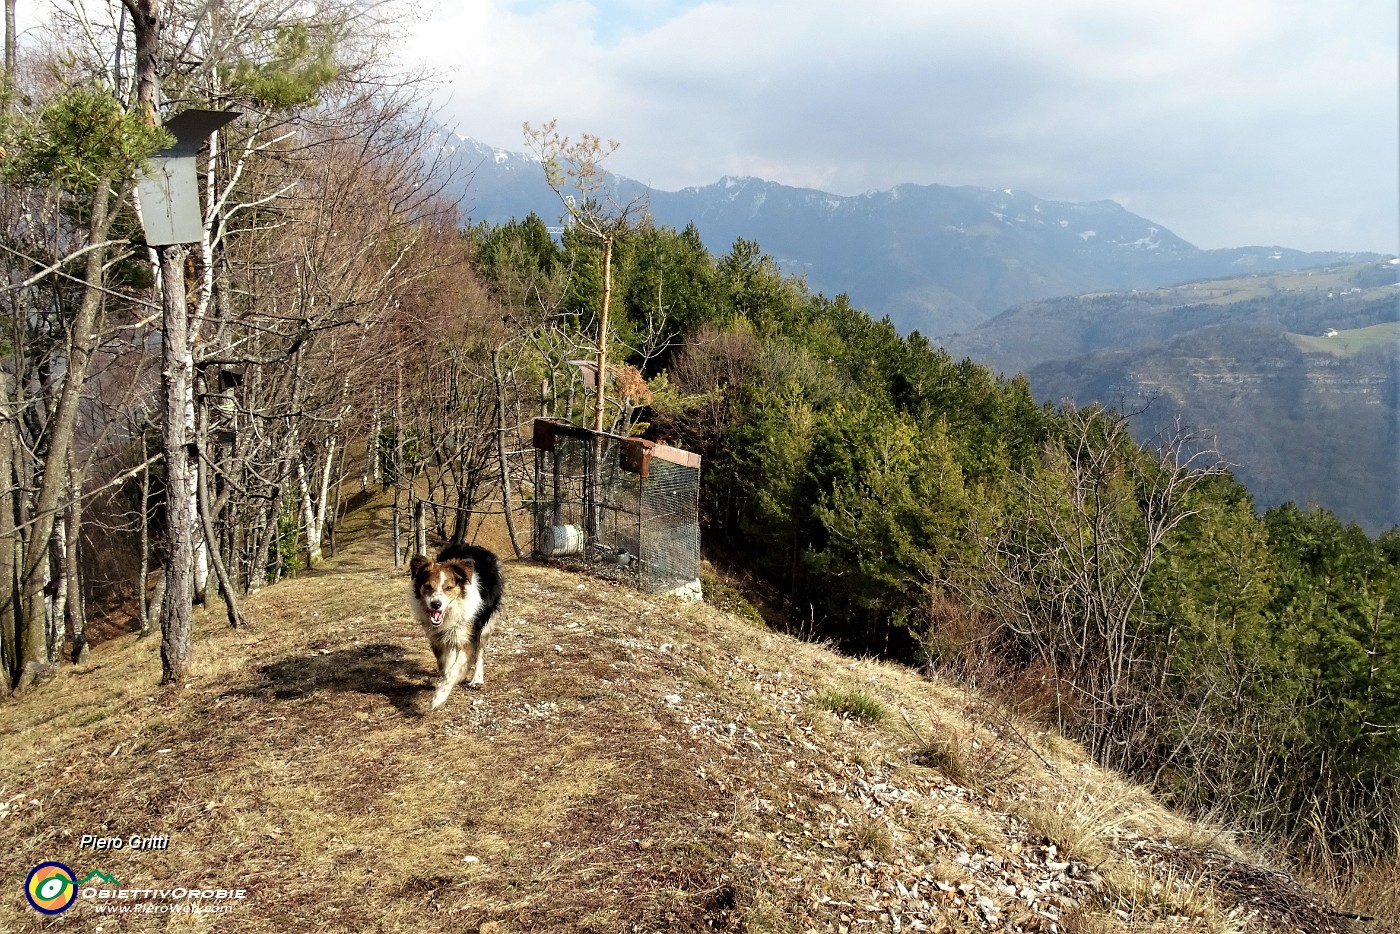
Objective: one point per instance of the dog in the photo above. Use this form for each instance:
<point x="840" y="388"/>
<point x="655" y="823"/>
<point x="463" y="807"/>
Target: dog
<point x="456" y="598"/>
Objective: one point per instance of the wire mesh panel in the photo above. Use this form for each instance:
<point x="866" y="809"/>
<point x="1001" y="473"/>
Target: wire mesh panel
<point x="670" y="527"/>
<point x="618" y="507"/>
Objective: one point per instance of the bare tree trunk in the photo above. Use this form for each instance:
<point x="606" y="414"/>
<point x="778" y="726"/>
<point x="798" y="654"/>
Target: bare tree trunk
<point x="9" y="595"/>
<point x="75" y="613"/>
<point x="335" y="514"/>
<point x="57" y="590"/>
<point x="200" y="551"/>
<point x="398" y="465"/>
<point x="315" y="502"/>
<point x="371" y="471"/>
<point x="507" y="497"/>
<point x="398" y="534"/>
<point x="177" y="379"/>
<point x="11" y="38"/>
<point x="176" y="618"/>
<point x="54" y="479"/>
<point x="145" y="21"/>
<point x="308" y="516"/>
<point x="206" y="517"/>
<point x="598" y="404"/>
<point x="76" y="620"/>
<point x="420" y="528"/>
<point x="145" y="520"/>
<point x="153" y="610"/>
<point x="260" y="541"/>
<point x="594" y="502"/>
<point x="201" y="545"/>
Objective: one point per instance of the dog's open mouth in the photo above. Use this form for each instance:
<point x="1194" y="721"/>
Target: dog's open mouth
<point x="436" y="616"/>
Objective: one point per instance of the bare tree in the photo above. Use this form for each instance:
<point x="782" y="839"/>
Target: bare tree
<point x="177" y="386"/>
<point x="69" y="165"/>
<point x="316" y="205"/>
<point x="596" y="209"/>
<point x="1065" y="569"/>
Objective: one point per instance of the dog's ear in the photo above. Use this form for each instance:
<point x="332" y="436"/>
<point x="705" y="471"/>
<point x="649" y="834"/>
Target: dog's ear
<point x="418" y="563"/>
<point x="463" y="569"/>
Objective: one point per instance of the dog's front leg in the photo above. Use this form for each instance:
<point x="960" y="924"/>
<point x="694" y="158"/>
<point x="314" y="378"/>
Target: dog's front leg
<point x="479" y="654"/>
<point x="454" y="664"/>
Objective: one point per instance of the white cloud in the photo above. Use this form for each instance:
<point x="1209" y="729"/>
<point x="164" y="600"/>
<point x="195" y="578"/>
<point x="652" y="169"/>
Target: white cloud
<point x="1256" y="121"/>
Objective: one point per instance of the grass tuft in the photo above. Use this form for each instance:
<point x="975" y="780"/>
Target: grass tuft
<point x="853" y="703"/>
<point x="724" y="596"/>
<point x="980" y="763"/>
<point x="873" y="835"/>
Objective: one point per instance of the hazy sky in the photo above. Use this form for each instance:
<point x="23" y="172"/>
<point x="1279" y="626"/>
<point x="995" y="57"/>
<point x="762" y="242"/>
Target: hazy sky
<point x="1231" y="122"/>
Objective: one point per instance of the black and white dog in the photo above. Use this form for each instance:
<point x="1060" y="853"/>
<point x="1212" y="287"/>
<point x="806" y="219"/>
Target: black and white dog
<point x="456" y="598"/>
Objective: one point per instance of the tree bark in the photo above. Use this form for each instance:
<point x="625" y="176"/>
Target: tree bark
<point x="371" y="471"/>
<point x="598" y="404"/>
<point x="57" y="591"/>
<point x="157" y="603"/>
<point x="176" y="618"/>
<point x="315" y="503"/>
<point x="176" y="380"/>
<point x="594" y="503"/>
<point x="335" y="512"/>
<point x="11" y="38"/>
<point x="54" y="478"/>
<point x="145" y="519"/>
<point x="9" y="594"/>
<point x="507" y="497"/>
<point x="206" y="518"/>
<point x="75" y="609"/>
<point x="145" y="21"/>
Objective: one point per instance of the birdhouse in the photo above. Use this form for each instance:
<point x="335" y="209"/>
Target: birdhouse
<point x="168" y="192"/>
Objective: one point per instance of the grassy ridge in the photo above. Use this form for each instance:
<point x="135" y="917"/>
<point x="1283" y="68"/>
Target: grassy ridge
<point x="633" y="764"/>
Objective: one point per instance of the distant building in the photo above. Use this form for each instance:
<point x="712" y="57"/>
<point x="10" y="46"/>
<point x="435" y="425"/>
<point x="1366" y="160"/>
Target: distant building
<point x="1330" y="332"/>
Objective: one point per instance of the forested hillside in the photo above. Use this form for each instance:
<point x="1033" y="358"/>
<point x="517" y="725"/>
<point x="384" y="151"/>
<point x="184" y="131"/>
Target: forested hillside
<point x="185" y="421"/>
<point x="1295" y="375"/>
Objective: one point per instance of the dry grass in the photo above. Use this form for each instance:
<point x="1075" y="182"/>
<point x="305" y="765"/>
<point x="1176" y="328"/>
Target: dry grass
<point x="1373" y="893"/>
<point x="633" y="764"/>
<point x="972" y="758"/>
<point x="299" y="763"/>
<point x="1082" y="823"/>
<point x="1089" y="824"/>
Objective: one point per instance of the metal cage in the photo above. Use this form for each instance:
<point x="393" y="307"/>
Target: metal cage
<point x="621" y="508"/>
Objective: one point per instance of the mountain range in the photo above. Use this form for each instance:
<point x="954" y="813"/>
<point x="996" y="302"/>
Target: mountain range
<point x="931" y="258"/>
<point x="1088" y="301"/>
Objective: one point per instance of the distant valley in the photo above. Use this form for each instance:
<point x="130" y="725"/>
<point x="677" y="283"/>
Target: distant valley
<point x="1296" y="374"/>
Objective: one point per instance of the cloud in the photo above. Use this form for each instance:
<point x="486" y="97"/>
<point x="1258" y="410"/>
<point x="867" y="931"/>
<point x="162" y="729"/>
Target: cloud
<point x="1257" y="121"/>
